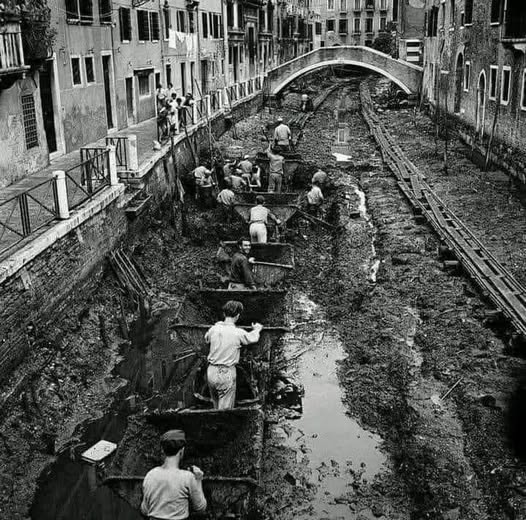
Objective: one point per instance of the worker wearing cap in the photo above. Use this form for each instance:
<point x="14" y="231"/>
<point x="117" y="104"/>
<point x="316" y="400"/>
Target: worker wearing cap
<point x="259" y="216"/>
<point x="169" y="492"/>
<point x="282" y="135"/>
<point x="226" y="341"/>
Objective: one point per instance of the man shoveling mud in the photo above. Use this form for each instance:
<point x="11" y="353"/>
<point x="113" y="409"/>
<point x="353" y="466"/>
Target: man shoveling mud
<point x="225" y="341"/>
<point x="169" y="492"/>
<point x="241" y="277"/>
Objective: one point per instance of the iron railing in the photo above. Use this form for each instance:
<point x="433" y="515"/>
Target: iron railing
<point x="89" y="177"/>
<point x="27" y="212"/>
<point x="121" y="150"/>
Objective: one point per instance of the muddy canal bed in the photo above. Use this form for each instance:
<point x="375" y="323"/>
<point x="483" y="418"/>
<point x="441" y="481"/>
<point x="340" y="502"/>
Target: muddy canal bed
<point x="391" y="396"/>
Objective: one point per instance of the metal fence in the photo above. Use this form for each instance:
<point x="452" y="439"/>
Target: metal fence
<point x="89" y="177"/>
<point x="121" y="150"/>
<point x="27" y="212"/>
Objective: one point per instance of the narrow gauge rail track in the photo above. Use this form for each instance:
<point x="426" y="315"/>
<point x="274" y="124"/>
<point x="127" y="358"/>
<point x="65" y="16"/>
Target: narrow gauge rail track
<point x="508" y="295"/>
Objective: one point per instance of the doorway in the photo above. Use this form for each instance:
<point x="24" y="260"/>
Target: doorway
<point x="130" y="112"/>
<point x="106" y="74"/>
<point x="48" y="110"/>
<point x="204" y="77"/>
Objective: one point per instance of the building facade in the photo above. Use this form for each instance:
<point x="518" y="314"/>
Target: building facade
<point x="475" y="68"/>
<point x="23" y="146"/>
<point x="102" y="71"/>
<point x="356" y="22"/>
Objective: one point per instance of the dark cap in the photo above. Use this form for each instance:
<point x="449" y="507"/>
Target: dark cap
<point x="173" y="435"/>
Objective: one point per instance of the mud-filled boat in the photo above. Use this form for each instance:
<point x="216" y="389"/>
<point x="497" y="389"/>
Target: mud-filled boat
<point x="226" y="444"/>
<point x="292" y="162"/>
<point x="276" y="199"/>
<point x="273" y="261"/>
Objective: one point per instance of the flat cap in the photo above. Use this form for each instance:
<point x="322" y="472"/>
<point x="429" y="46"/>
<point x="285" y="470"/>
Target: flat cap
<point x="173" y="435"/>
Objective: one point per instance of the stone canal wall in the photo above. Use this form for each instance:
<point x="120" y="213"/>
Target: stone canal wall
<point x="39" y="281"/>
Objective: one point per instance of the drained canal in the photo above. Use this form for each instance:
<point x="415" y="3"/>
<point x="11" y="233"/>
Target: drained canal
<point x="345" y="417"/>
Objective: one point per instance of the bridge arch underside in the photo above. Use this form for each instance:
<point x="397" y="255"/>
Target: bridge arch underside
<point x="360" y="64"/>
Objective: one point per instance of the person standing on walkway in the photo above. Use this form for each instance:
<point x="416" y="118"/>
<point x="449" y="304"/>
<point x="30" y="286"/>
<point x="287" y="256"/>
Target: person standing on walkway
<point x="241" y="277"/>
<point x="276" y="162"/>
<point x="170" y="492"/>
<point x="259" y="216"/>
<point x="226" y="341"/>
<point x="282" y="136"/>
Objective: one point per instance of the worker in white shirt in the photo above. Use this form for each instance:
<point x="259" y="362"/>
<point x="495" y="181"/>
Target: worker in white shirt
<point x="314" y="199"/>
<point x="259" y="216"/>
<point x="226" y="341"/>
<point x="282" y="135"/>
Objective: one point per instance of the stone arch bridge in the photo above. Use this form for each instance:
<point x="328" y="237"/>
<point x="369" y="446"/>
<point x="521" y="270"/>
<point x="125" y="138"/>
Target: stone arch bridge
<point x="406" y="75"/>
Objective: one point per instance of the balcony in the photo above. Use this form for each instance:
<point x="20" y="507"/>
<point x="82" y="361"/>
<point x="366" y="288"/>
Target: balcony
<point x="236" y="34"/>
<point x="12" y="65"/>
<point x="265" y="35"/>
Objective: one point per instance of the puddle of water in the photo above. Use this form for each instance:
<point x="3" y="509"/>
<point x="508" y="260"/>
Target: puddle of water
<point x="338" y="449"/>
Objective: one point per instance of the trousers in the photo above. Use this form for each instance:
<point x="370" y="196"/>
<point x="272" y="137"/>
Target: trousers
<point x="274" y="182"/>
<point x="258" y="232"/>
<point x="222" y="386"/>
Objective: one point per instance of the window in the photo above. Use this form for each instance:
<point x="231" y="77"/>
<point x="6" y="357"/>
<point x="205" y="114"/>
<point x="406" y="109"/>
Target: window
<point x="493" y="74"/>
<point x="432" y="22"/>
<point x="451" y="13"/>
<point x="467" y="75"/>
<point x="357" y="4"/>
<point x="468" y="12"/>
<point x="181" y="21"/>
<point x="395" y="10"/>
<point x="143" y="25"/>
<point x="462" y="19"/>
<point x="90" y="71"/>
<point x="191" y="22"/>
<point x="144" y="85"/>
<point x="369" y="4"/>
<point x="75" y="71"/>
<point x="79" y="11"/>
<point x="496" y="11"/>
<point x="369" y="25"/>
<point x="318" y="28"/>
<point x="383" y="5"/>
<point x="330" y="25"/>
<point x="342" y="26"/>
<point x="30" y="121"/>
<point x="204" y="32"/>
<point x="168" y="74"/>
<point x="330" y="5"/>
<point x="357" y="25"/>
<point x="343" y="5"/>
<point x="523" y="92"/>
<point x="125" y="24"/>
<point x="167" y="18"/>
<point x="155" y="26"/>
<point x="383" y="23"/>
<point x="505" y="86"/>
<point x="105" y="11"/>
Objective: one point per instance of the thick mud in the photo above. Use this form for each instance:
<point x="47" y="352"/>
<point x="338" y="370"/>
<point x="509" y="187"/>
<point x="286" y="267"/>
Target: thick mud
<point x="393" y="396"/>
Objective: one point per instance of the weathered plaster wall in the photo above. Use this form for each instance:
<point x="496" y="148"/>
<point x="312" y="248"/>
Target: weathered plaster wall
<point x="15" y="160"/>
